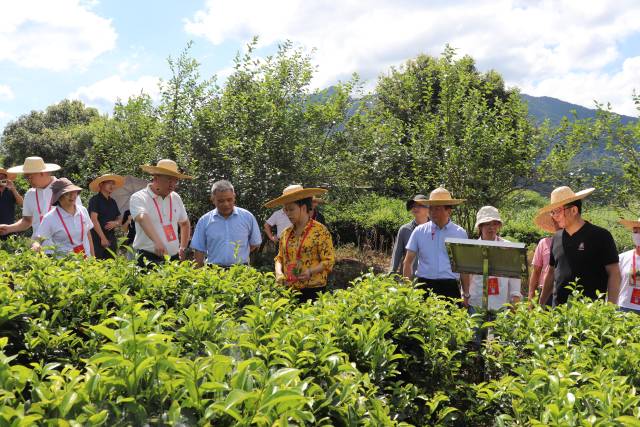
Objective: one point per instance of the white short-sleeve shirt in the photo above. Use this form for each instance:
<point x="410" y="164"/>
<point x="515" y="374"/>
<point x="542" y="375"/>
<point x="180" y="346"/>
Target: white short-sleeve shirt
<point x="280" y="220"/>
<point x="508" y="288"/>
<point x="171" y="210"/>
<point x="53" y="231"/>
<point x="37" y="202"/>
<point x="626" y="298"/>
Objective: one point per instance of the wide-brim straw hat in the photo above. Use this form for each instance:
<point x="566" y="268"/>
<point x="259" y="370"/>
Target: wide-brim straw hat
<point x="563" y="195"/>
<point x="318" y="200"/>
<point x="95" y="184"/>
<point x="486" y="214"/>
<point x="10" y="176"/>
<point x="293" y="193"/>
<point x="165" y="167"/>
<point x="34" y="165"/>
<point x="544" y="221"/>
<point x="60" y="187"/>
<point x="629" y="223"/>
<point x="418" y="199"/>
<point x="441" y="197"/>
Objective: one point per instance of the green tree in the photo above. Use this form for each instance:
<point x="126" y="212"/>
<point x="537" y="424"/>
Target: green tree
<point x="58" y="135"/>
<point x="439" y="121"/>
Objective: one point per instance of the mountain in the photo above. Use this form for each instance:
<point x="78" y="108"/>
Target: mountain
<point x="545" y="107"/>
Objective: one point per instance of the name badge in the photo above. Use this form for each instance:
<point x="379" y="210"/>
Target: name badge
<point x="169" y="232"/>
<point x="494" y="288"/>
<point x="635" y="296"/>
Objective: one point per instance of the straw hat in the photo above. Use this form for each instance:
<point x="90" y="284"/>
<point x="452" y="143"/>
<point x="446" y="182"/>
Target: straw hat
<point x="165" y="167"/>
<point x="486" y="214"/>
<point x="544" y="221"/>
<point x="563" y="195"/>
<point x="418" y="199"/>
<point x="629" y="223"/>
<point x="293" y="193"/>
<point x="318" y="200"/>
<point x="441" y="197"/>
<point x="10" y="176"/>
<point x="95" y="184"/>
<point x="34" y="165"/>
<point x="62" y="186"/>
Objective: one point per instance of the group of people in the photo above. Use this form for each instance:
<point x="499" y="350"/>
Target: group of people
<point x="577" y="252"/>
<point x="224" y="236"/>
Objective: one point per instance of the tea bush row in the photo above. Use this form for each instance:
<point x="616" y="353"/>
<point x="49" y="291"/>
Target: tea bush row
<point x="100" y="343"/>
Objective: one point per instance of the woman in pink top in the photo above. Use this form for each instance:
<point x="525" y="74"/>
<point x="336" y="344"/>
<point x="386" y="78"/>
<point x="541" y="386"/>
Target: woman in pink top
<point x="540" y="263"/>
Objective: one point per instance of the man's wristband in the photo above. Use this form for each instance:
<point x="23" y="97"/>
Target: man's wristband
<point x="467" y="295"/>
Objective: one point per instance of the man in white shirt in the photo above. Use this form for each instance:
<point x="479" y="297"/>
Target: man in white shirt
<point x="158" y="212"/>
<point x="37" y="201"/>
<point x="280" y="220"/>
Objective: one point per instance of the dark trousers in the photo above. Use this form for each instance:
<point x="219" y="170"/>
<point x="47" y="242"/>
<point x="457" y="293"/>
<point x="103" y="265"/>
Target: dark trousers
<point x="443" y="287"/>
<point x="309" y="294"/>
<point x="100" y="251"/>
<point x="152" y="259"/>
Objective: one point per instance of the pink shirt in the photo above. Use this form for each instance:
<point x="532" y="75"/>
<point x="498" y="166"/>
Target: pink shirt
<point x="541" y="258"/>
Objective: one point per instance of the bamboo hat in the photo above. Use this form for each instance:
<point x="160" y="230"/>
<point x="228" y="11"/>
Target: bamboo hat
<point x="165" y="167"/>
<point x="95" y="184"/>
<point x="629" y="223"/>
<point x="293" y="193"/>
<point x="441" y="197"/>
<point x="544" y="221"/>
<point x="34" y="165"/>
<point x="563" y="195"/>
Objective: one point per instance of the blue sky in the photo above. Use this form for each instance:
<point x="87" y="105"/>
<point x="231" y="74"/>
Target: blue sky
<point x="99" y="51"/>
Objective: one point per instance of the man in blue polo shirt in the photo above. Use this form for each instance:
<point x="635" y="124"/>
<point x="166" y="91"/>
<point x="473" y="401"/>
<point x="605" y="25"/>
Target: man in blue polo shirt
<point x="227" y="234"/>
<point x="427" y="243"/>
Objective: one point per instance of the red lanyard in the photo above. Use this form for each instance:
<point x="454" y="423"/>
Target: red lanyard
<point x="170" y="209"/>
<point x="38" y="205"/>
<point x="304" y="236"/>
<point x="67" y="230"/>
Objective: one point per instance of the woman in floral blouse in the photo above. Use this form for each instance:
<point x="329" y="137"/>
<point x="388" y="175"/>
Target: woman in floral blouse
<point x="305" y="256"/>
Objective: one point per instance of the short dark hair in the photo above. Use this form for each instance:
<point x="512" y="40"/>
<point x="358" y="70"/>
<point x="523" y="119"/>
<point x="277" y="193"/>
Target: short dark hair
<point x="305" y="202"/>
<point x="577" y="204"/>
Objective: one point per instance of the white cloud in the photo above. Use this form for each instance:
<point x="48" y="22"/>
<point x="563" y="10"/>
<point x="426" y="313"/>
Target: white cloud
<point x="529" y="42"/>
<point x="6" y="94"/>
<point x="105" y="93"/>
<point x="53" y="35"/>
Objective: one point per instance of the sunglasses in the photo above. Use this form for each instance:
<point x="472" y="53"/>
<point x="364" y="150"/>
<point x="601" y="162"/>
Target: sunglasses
<point x="3" y="181"/>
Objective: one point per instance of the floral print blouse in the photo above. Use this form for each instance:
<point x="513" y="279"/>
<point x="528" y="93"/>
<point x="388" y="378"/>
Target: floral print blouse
<point x="317" y="248"/>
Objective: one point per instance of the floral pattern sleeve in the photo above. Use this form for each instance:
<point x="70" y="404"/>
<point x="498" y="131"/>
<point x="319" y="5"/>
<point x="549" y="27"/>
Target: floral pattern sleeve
<point x="317" y="249"/>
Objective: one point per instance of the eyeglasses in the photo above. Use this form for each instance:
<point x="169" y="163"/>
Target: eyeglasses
<point x="3" y="182"/>
<point x="555" y="212"/>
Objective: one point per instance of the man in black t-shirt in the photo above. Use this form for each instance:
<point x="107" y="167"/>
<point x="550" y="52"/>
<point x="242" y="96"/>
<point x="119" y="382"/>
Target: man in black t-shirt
<point x="581" y="252"/>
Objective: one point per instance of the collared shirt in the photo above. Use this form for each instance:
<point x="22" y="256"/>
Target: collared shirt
<point x="629" y="296"/>
<point x="280" y="220"/>
<point x="427" y="241"/>
<point x="317" y="248"/>
<point x="404" y="233"/>
<point x="7" y="207"/>
<point x="39" y="198"/>
<point x="226" y="241"/>
<point x="143" y="202"/>
<point x="508" y="289"/>
<point x="52" y="230"/>
<point x="107" y="210"/>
